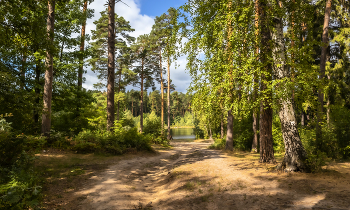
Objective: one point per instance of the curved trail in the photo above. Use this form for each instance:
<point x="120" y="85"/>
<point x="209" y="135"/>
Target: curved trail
<point x="190" y="176"/>
<point x="132" y="184"/>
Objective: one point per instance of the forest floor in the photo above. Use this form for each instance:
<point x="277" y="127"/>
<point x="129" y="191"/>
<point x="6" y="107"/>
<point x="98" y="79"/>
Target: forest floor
<point x="187" y="176"/>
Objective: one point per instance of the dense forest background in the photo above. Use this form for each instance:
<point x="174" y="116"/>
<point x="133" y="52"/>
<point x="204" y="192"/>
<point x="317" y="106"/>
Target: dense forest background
<point x="267" y="76"/>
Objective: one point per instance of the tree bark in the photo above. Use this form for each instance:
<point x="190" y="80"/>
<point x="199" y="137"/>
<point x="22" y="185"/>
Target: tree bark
<point x="168" y="98"/>
<point x="255" y="131"/>
<point x="120" y="78"/>
<point x="323" y="61"/>
<point x="23" y="71"/>
<point x="295" y="154"/>
<point x="37" y="91"/>
<point x="229" y="134"/>
<point x="111" y="73"/>
<point x="222" y="126"/>
<point x="162" y="92"/>
<point x="82" y="46"/>
<point x="141" y="104"/>
<point x="266" y="141"/>
<point x="255" y="91"/>
<point x="328" y="105"/>
<point x="210" y="132"/>
<point x="46" y="115"/>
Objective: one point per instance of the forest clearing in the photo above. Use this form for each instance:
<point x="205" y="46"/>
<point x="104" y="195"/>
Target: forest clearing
<point x="104" y="104"/>
<point x="191" y="176"/>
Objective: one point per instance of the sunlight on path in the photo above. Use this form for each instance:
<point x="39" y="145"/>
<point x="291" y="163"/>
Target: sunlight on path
<point x="190" y="176"/>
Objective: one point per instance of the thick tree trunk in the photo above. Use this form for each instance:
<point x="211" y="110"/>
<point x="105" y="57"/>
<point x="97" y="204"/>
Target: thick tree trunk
<point x="168" y="98"/>
<point x="229" y="134"/>
<point x="323" y="61"/>
<point x="46" y="115"/>
<point x="111" y="57"/>
<point x="132" y="106"/>
<point x="141" y="104"/>
<point x="295" y="154"/>
<point x="162" y="92"/>
<point x="266" y="141"/>
<point x="82" y="46"/>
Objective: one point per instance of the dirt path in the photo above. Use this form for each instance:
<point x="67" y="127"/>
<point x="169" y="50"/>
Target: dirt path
<point x="190" y="176"/>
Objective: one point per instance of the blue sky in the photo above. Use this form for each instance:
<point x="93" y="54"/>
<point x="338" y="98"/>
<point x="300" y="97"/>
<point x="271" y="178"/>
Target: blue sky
<point x="140" y="14"/>
<point x="156" y="7"/>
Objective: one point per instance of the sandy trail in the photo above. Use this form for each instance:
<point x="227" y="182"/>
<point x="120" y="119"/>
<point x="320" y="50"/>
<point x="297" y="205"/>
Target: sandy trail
<point x="190" y="176"/>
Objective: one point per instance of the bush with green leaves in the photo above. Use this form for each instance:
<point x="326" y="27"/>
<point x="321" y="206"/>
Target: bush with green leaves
<point x="121" y="140"/>
<point x="19" y="187"/>
<point x="152" y="125"/>
<point x="218" y="144"/>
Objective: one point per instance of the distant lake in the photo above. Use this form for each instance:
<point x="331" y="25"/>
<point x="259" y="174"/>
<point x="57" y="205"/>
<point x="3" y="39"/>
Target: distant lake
<point x="182" y="134"/>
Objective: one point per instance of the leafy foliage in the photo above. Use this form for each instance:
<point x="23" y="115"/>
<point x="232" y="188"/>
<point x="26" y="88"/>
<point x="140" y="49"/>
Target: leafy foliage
<point x="124" y="139"/>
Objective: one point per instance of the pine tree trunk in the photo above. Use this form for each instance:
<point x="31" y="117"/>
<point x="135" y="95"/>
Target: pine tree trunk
<point x="111" y="57"/>
<point x="323" y="61"/>
<point x="119" y="86"/>
<point x="132" y="106"/>
<point x="328" y="105"/>
<point x="255" y="91"/>
<point x="46" y="115"/>
<point x="81" y="59"/>
<point x="168" y="98"/>
<point x="141" y="104"/>
<point x="162" y="92"/>
<point x="295" y="154"/>
<point x="82" y="46"/>
<point x="229" y="134"/>
<point x="266" y="141"/>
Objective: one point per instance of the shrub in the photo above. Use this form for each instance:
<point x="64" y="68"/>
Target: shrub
<point x="152" y="125"/>
<point x="218" y="144"/>
<point x="121" y="140"/>
<point x="18" y="188"/>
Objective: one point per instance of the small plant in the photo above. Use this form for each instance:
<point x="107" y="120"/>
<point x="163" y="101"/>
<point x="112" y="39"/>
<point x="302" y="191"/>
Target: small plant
<point x="190" y="186"/>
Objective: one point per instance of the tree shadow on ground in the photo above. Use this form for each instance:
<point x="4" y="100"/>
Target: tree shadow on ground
<point x="297" y="191"/>
<point x="257" y="188"/>
<point x="142" y="175"/>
